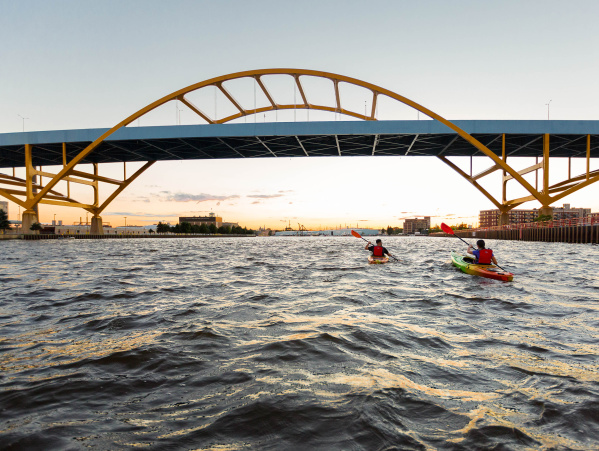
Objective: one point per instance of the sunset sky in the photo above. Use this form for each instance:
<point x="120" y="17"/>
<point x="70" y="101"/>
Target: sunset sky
<point x="72" y="64"/>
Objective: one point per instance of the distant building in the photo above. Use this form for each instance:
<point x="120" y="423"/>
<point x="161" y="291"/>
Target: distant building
<point x="84" y="229"/>
<point x="490" y="218"/>
<point x="411" y="226"/>
<point x="566" y="212"/>
<point x="4" y="206"/>
<point x="199" y="220"/>
<point x="329" y="232"/>
<point x="210" y="219"/>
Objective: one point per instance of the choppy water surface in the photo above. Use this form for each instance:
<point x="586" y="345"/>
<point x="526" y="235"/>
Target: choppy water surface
<point x="295" y="343"/>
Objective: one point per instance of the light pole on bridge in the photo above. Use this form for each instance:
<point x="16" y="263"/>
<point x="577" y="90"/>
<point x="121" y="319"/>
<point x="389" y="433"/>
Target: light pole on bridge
<point x="23" y="120"/>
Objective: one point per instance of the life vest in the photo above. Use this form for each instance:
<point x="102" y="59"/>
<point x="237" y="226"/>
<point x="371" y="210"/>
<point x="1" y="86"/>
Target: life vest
<point x="485" y="256"/>
<point x="378" y="251"/>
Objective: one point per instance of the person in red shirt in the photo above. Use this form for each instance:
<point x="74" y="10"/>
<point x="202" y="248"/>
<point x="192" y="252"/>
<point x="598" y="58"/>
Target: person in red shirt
<point x="483" y="255"/>
<point x="378" y="250"/>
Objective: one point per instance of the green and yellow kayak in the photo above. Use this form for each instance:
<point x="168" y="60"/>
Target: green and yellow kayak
<point x="467" y="265"/>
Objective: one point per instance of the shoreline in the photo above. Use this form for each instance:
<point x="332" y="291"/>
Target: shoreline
<point x="112" y="237"/>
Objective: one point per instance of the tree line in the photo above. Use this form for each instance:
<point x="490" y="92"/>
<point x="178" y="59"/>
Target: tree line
<point x="392" y="230"/>
<point x="186" y="227"/>
<point x="4" y="224"/>
<point x="437" y="229"/>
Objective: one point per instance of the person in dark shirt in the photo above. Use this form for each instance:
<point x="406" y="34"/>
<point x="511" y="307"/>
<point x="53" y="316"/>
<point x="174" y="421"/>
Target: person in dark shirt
<point x="378" y="250"/>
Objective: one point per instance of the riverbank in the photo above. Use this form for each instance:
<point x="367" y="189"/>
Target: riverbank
<point x="112" y="237"/>
<point x="578" y="230"/>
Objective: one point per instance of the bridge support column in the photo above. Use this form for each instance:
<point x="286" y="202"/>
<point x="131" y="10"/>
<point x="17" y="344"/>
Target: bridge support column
<point x="28" y="219"/>
<point x="96" y="226"/>
<point x="547" y="211"/>
<point x="504" y="218"/>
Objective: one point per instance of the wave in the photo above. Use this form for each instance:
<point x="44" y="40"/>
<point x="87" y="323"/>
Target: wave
<point x="160" y="344"/>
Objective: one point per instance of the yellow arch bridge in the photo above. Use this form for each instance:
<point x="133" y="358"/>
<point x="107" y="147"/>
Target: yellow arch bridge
<point x="55" y="156"/>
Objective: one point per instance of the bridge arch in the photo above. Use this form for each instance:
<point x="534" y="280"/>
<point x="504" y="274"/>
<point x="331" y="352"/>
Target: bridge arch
<point x="46" y="193"/>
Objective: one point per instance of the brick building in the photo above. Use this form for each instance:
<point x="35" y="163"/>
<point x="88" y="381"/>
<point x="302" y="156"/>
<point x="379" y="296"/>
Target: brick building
<point x="490" y="218"/>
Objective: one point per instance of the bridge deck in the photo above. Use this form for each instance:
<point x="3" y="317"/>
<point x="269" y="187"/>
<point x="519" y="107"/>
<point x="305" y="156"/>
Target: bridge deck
<point x="297" y="139"/>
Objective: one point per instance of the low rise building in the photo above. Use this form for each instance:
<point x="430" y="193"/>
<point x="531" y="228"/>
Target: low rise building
<point x="566" y="212"/>
<point x="416" y="225"/>
<point x="328" y="232"/>
<point x="490" y="218"/>
<point x="84" y="229"/>
<point x="199" y="220"/>
<point x="210" y="219"/>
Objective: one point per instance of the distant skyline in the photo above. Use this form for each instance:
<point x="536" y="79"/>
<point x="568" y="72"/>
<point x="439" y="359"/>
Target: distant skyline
<point x="72" y="65"/>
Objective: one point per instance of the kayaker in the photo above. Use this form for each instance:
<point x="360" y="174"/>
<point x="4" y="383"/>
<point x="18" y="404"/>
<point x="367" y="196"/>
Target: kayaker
<point x="378" y="250"/>
<point x="483" y="255"/>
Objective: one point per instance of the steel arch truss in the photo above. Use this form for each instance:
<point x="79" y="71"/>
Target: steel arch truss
<point x="47" y="194"/>
<point x="24" y="191"/>
<point x="548" y="194"/>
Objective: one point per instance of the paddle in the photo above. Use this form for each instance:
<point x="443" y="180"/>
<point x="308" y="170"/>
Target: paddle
<point x="450" y="231"/>
<point x="357" y="235"/>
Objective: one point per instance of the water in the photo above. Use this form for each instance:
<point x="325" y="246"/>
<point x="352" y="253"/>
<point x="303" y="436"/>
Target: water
<point x="295" y="343"/>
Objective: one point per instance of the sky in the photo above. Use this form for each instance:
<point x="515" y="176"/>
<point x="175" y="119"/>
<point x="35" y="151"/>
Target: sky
<point x="72" y="64"/>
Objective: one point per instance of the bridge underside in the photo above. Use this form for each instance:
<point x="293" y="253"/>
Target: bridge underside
<point x="496" y="140"/>
<point x="290" y="140"/>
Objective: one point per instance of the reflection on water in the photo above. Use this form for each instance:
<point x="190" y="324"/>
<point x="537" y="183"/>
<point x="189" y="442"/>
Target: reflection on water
<point x="270" y="343"/>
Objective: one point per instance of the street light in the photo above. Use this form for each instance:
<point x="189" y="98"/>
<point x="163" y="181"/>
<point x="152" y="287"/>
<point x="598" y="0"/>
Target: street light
<point x="23" y="120"/>
<point x="548" y="109"/>
<point x="125" y="221"/>
<point x="178" y="113"/>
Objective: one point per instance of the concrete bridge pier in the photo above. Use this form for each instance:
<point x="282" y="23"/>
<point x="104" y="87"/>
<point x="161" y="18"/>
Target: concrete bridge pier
<point x="28" y="219"/>
<point x="547" y="211"/>
<point x="96" y="226"/>
<point x="504" y="218"/>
